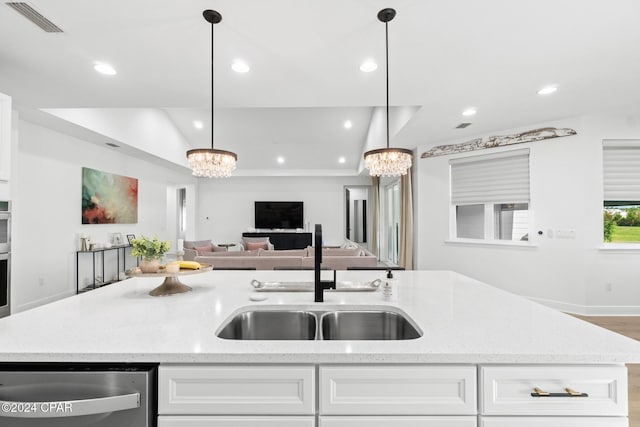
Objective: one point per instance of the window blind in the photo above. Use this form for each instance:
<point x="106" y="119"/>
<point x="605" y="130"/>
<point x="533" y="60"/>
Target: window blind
<point x="493" y="178"/>
<point x="621" y="170"/>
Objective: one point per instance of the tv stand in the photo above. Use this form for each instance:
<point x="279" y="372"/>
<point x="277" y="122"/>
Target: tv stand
<point x="284" y="239"/>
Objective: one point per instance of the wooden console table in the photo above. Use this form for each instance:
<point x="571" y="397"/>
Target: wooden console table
<point x="284" y="239"/>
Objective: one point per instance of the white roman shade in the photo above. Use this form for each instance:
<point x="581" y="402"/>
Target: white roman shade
<point x="621" y="170"/>
<point x="493" y="178"/>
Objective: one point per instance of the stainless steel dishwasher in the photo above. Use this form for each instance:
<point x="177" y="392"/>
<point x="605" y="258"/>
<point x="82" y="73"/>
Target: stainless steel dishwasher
<point x="70" y="395"/>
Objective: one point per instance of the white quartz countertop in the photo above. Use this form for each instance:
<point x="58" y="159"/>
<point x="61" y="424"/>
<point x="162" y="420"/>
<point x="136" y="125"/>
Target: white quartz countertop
<point x="462" y="320"/>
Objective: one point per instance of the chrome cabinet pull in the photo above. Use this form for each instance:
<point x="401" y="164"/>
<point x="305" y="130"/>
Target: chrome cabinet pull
<point x="538" y="392"/>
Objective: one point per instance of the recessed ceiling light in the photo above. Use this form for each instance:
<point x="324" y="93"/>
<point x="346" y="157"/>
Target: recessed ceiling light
<point x="342" y="160"/>
<point x="198" y="124"/>
<point x="240" y="66"/>
<point x="348" y="124"/>
<point x="469" y="112"/>
<point x="280" y="160"/>
<point x="104" y="68"/>
<point x="547" y="90"/>
<point x="368" y="66"/>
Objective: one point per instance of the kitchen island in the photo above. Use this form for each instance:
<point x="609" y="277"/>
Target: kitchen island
<point x="482" y="353"/>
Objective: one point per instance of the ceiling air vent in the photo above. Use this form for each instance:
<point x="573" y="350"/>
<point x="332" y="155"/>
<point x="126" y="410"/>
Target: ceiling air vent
<point x="463" y="125"/>
<point x="34" y="16"/>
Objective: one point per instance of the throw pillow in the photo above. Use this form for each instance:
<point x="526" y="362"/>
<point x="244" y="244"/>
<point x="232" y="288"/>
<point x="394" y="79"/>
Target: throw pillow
<point x="202" y="249"/>
<point x="251" y="246"/>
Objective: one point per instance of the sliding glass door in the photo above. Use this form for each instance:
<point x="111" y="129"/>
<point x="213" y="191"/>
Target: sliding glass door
<point x="390" y="223"/>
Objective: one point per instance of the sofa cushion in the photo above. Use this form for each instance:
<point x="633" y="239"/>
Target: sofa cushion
<point x="342" y="252"/>
<point x="191" y="244"/>
<point x="246" y="240"/>
<point x="259" y="263"/>
<point x="283" y="252"/>
<point x="231" y="254"/>
<point x="252" y="246"/>
<point x="202" y="249"/>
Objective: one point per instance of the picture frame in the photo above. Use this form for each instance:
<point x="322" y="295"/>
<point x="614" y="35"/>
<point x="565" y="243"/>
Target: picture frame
<point x="130" y="238"/>
<point x="117" y="239"/>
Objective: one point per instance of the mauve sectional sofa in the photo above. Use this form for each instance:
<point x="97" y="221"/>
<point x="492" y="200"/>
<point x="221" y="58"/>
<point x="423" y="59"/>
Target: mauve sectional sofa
<point x="332" y="258"/>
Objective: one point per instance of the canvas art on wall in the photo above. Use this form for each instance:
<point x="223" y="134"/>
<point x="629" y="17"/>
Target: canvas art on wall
<point x="108" y="198"/>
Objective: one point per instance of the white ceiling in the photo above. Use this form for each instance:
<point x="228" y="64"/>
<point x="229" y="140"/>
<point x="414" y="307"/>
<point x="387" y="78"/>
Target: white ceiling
<point x="445" y="55"/>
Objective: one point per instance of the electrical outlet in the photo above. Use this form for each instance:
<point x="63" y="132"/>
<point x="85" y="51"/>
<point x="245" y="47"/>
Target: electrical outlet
<point x="608" y="287"/>
<point x="566" y="234"/>
<point x="40" y="281"/>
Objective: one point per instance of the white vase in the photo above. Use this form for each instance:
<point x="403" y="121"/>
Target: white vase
<point x="150" y="265"/>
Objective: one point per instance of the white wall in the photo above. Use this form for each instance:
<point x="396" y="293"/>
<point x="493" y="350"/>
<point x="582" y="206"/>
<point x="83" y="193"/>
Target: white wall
<point x="6" y="136"/>
<point x="146" y="129"/>
<point x="226" y="206"/>
<point x="47" y="209"/>
<point x="566" y="194"/>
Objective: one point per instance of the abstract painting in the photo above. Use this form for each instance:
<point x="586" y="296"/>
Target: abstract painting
<point x="108" y="198"/>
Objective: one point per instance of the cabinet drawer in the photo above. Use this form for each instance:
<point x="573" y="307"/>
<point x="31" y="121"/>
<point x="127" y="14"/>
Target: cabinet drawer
<point x="392" y="390"/>
<point x="241" y="421"/>
<point x="398" y="421"/>
<point x="507" y="390"/>
<point x="261" y="390"/>
<point x="553" y="422"/>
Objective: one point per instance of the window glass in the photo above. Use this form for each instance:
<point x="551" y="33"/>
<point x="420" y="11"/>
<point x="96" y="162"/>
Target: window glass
<point x="512" y="221"/>
<point x="621" y="221"/>
<point x="470" y="221"/>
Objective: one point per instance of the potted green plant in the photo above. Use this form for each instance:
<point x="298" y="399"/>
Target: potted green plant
<point x="151" y="252"/>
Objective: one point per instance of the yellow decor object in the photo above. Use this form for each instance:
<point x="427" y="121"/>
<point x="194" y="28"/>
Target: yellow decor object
<point x="190" y="265"/>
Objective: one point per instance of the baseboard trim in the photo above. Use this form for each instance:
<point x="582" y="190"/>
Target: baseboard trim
<point x="42" y="301"/>
<point x="590" y="310"/>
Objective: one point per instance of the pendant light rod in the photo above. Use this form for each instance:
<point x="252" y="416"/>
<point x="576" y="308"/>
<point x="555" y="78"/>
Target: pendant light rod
<point x="210" y="162"/>
<point x="212" y="17"/>
<point x="386" y="15"/>
<point x="387" y="161"/>
<point x="386" y="43"/>
<point x="213" y="88"/>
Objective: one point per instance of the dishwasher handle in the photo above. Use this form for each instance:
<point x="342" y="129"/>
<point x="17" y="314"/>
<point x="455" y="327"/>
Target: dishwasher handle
<point x="69" y="408"/>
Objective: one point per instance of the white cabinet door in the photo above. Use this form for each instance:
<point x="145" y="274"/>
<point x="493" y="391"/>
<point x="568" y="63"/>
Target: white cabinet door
<point x="398" y="390"/>
<point x="240" y="421"/>
<point x="397" y="421"/>
<point x="510" y="390"/>
<point x="238" y="390"/>
<point x="234" y="421"/>
<point x="5" y="137"/>
<point x="553" y="422"/>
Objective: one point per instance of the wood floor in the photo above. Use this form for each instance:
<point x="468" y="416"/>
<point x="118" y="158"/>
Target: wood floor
<point x="629" y="326"/>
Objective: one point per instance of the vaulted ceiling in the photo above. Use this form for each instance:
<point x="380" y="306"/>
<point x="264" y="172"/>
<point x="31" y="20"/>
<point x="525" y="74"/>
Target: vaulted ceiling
<point x="305" y="81"/>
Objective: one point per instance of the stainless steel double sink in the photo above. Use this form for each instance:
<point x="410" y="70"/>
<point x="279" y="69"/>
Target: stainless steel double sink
<point x="329" y="324"/>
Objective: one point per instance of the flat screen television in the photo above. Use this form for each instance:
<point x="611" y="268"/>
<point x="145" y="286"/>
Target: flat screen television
<point x="278" y="215"/>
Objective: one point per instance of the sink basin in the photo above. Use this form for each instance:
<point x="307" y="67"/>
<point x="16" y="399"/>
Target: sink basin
<point x="367" y="325"/>
<point x="303" y="324"/>
<point x="270" y="325"/>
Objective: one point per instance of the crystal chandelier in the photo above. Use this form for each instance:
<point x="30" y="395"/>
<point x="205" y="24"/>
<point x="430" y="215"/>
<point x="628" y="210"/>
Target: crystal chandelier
<point x="210" y="162"/>
<point x="387" y="161"/>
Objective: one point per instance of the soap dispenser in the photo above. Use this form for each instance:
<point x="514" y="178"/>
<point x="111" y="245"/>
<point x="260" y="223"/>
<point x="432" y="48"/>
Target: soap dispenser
<point x="389" y="291"/>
